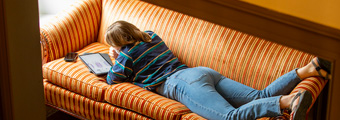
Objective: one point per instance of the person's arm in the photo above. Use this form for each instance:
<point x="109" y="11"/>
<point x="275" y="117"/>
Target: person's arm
<point x="122" y="69"/>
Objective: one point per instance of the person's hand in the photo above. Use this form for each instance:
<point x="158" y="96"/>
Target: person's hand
<point x="114" y="52"/>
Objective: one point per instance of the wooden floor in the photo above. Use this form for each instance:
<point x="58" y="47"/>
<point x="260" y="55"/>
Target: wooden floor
<point x="61" y="116"/>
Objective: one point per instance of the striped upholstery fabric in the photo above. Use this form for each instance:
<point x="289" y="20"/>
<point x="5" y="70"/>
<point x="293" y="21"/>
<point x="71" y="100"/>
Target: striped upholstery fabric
<point x="109" y="112"/>
<point x="85" y="107"/>
<point x="75" y="76"/>
<point x="133" y="97"/>
<point x="72" y="29"/>
<point x="192" y="116"/>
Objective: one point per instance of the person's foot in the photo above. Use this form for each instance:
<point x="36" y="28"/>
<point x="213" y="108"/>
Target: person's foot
<point x="312" y="69"/>
<point x="300" y="104"/>
<point x="321" y="70"/>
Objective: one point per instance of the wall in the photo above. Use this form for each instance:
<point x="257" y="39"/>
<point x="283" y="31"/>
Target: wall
<point x="49" y="8"/>
<point x="54" y="6"/>
<point x="324" y="12"/>
<point x="21" y="36"/>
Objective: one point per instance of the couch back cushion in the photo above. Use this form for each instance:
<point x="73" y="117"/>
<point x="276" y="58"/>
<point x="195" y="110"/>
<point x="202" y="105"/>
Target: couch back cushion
<point x="244" y="58"/>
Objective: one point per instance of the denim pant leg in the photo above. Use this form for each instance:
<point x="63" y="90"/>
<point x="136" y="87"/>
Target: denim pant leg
<point x="238" y="94"/>
<point x="195" y="88"/>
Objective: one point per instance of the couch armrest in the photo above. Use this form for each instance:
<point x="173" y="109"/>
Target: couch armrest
<point x="135" y="98"/>
<point x="313" y="84"/>
<point x="71" y="29"/>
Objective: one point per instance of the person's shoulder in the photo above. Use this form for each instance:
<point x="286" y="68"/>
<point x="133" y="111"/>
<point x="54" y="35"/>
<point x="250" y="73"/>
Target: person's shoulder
<point x="149" y="32"/>
<point x="153" y="35"/>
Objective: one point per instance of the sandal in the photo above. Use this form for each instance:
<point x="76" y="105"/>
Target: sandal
<point x="300" y="110"/>
<point x="324" y="65"/>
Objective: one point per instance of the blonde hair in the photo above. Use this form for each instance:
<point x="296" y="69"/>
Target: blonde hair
<point x="122" y="33"/>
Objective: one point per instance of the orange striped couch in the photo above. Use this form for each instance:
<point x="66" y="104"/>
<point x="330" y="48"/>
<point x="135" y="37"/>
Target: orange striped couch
<point x="70" y="87"/>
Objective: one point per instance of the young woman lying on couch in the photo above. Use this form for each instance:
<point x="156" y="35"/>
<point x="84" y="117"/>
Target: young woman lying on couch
<point x="143" y="59"/>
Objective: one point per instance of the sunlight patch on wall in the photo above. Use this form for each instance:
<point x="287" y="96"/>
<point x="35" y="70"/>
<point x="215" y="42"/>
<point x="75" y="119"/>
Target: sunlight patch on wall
<point x="49" y="8"/>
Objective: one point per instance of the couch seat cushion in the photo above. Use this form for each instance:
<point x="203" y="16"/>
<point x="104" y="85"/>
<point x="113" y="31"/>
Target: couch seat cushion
<point x="192" y="116"/>
<point x="135" y="98"/>
<point x="85" y="107"/>
<point x="75" y="76"/>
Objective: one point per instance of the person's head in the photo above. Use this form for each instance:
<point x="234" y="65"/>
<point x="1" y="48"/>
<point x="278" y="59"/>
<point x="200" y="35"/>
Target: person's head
<point x="122" y="33"/>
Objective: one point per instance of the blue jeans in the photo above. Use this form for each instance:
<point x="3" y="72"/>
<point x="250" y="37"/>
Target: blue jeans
<point x="213" y="96"/>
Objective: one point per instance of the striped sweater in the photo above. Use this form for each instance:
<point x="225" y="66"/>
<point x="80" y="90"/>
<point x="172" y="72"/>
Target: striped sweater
<point x="145" y="64"/>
